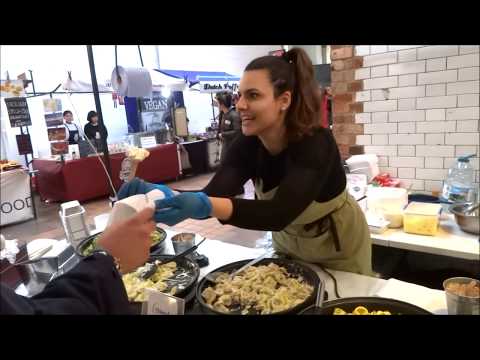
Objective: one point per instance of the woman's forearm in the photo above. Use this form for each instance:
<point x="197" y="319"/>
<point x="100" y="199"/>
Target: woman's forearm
<point x="222" y="208"/>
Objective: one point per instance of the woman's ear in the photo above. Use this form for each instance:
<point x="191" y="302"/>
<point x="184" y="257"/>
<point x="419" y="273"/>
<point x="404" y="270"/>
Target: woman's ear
<point x="285" y="100"/>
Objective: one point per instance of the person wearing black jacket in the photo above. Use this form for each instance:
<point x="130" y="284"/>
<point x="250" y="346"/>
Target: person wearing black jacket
<point x="94" y="131"/>
<point x="229" y="124"/>
<point x="95" y="285"/>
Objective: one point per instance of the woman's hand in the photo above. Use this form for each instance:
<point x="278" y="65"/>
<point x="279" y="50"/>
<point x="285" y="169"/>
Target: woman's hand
<point x="129" y="241"/>
<point x="138" y="186"/>
<point x="171" y="211"/>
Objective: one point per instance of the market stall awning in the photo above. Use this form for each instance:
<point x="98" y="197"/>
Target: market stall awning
<point x="159" y="81"/>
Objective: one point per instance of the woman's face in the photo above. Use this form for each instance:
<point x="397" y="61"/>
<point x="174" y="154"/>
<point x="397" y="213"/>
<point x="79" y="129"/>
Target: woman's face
<point x="94" y="119"/>
<point x="259" y="110"/>
<point x="68" y="117"/>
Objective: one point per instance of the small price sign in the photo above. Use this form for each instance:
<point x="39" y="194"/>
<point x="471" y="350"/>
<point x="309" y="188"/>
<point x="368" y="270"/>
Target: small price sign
<point x="159" y="303"/>
<point x="148" y="141"/>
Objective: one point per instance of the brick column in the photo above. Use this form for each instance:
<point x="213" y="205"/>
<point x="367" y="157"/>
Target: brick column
<point x="344" y="87"/>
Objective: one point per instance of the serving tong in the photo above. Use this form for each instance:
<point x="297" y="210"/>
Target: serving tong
<point x="213" y="276"/>
<point x="151" y="268"/>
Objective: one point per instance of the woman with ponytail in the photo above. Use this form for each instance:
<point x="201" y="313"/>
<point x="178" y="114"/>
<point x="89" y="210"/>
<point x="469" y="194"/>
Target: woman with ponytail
<point x="296" y="168"/>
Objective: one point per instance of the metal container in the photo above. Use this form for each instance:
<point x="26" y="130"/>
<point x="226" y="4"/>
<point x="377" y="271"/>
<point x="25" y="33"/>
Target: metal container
<point x="461" y="305"/>
<point x="36" y="274"/>
<point x="182" y="242"/>
<point x="469" y="223"/>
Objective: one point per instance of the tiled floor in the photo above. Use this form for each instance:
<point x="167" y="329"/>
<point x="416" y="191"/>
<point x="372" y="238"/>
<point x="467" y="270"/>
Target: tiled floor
<point x="48" y="225"/>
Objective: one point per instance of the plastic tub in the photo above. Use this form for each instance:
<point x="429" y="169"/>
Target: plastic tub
<point x="421" y="218"/>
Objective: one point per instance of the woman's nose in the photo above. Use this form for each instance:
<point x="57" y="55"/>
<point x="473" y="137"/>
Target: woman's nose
<point x="241" y="104"/>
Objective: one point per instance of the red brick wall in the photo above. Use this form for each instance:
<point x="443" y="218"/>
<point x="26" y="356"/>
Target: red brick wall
<point x="344" y="87"/>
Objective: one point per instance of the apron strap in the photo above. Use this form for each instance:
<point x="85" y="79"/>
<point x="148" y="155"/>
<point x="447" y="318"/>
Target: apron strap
<point x="319" y="223"/>
<point x="336" y="240"/>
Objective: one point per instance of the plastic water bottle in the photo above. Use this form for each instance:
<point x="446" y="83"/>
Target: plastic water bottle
<point x="459" y="184"/>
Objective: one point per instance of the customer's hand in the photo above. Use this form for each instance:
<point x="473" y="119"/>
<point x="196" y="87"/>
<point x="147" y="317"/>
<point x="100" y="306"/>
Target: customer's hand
<point x="138" y="186"/>
<point x="129" y="241"/>
<point x="171" y="211"/>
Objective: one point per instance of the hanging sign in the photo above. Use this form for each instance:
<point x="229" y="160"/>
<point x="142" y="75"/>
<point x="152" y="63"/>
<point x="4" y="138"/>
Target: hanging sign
<point x="18" y="113"/>
<point x="54" y="119"/>
<point x="52" y="105"/>
<point x="216" y="86"/>
<point x="12" y="88"/>
<point x="24" y="144"/>
<point x="156" y="103"/>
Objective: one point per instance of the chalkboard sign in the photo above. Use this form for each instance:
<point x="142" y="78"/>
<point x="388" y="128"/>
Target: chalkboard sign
<point x="24" y="144"/>
<point x="18" y="113"/>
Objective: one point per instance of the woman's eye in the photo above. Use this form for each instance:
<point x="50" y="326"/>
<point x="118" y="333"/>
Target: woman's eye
<point x="253" y="95"/>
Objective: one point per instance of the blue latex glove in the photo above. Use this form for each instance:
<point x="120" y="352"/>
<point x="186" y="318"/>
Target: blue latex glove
<point x="171" y="211"/>
<point x="138" y="186"/>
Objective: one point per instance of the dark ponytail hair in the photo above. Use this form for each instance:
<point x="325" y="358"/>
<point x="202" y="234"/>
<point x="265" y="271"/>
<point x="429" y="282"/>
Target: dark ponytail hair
<point x="293" y="71"/>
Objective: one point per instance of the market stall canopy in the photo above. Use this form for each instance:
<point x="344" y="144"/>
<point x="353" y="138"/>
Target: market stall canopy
<point x="159" y="81"/>
<point x="83" y="86"/>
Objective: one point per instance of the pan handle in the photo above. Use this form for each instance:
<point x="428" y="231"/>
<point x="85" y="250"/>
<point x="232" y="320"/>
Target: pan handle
<point x="320" y="294"/>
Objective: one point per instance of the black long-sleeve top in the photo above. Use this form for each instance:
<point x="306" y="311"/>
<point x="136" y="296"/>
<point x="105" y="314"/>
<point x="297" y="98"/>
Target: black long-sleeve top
<point x="91" y="131"/>
<point x="230" y="124"/>
<point x="308" y="170"/>
<point x="93" y="287"/>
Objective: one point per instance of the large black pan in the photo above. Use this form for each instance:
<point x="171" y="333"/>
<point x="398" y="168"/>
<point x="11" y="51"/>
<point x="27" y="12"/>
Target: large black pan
<point x="157" y="247"/>
<point x="396" y="307"/>
<point x="294" y="268"/>
<point x="185" y="278"/>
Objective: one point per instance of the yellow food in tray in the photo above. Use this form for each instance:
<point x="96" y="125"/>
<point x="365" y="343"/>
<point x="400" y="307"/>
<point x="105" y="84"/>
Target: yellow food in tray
<point x="264" y="289"/>
<point x="421" y="218"/>
<point x="360" y="310"/>
<point x="136" y="286"/>
<point x="421" y="225"/>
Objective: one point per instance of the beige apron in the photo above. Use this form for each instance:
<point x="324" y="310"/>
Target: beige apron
<point x="311" y="236"/>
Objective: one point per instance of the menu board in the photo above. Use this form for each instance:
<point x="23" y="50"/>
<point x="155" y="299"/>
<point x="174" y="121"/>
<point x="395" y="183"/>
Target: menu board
<point x="18" y="112"/>
<point x="24" y="144"/>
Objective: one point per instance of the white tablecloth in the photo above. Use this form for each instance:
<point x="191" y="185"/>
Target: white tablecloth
<point x="16" y="200"/>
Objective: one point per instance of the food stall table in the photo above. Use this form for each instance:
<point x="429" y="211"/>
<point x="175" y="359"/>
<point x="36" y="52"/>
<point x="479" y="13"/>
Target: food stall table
<point x="84" y="179"/>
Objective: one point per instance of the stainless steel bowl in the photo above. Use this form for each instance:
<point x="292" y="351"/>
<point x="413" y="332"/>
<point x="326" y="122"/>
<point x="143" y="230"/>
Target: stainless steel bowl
<point x="182" y="242"/>
<point x="469" y="223"/>
<point x="458" y="304"/>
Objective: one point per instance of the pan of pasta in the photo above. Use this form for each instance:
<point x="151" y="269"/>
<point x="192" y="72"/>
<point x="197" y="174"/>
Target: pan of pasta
<point x="273" y="286"/>
<point x="365" y="306"/>
<point x="178" y="278"/>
